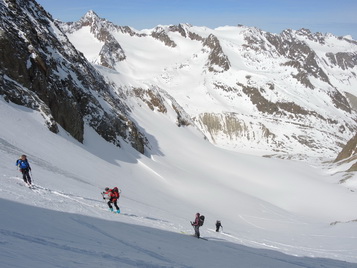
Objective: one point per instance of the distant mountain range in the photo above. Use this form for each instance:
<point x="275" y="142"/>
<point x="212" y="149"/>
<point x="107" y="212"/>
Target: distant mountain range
<point x="245" y="89"/>
<point x="291" y="95"/>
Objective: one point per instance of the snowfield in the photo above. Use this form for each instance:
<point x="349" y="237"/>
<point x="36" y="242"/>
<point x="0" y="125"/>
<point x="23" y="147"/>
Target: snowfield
<point x="275" y="213"/>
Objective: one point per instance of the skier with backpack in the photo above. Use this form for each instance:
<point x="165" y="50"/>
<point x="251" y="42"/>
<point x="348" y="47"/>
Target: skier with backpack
<point x="113" y="196"/>
<point x="24" y="168"/>
<point x="199" y="220"/>
<point x="218" y="226"/>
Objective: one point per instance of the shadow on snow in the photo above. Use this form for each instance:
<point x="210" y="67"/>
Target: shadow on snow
<point x="37" y="237"/>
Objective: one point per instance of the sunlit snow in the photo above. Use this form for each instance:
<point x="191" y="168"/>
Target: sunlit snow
<point x="275" y="213"/>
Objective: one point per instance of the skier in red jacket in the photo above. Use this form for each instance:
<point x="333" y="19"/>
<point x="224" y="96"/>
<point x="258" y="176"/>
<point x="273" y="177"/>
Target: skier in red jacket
<point x="113" y="196"/>
<point x="196" y="225"/>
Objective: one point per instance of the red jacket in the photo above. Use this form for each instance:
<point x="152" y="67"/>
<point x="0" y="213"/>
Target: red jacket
<point x="197" y="220"/>
<point x="114" y="196"/>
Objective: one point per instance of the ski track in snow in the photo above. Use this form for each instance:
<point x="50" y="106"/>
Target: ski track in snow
<point x="252" y="224"/>
<point x="155" y="222"/>
<point x="10" y="149"/>
<point x="88" y="202"/>
<point x="97" y="204"/>
<point x="159" y="260"/>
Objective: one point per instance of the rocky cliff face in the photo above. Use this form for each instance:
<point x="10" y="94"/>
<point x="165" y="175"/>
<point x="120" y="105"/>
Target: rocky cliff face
<point x="40" y="69"/>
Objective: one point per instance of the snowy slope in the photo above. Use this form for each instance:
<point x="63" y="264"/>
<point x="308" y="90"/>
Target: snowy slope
<point x="275" y="213"/>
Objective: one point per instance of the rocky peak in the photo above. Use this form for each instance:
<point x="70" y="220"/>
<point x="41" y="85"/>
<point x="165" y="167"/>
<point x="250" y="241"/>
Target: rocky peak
<point x="90" y="17"/>
<point x="184" y="30"/>
<point x="316" y="37"/>
<point x="111" y="52"/>
<point x="181" y="28"/>
<point x="160" y="33"/>
<point x="217" y="60"/>
<point x="299" y="55"/>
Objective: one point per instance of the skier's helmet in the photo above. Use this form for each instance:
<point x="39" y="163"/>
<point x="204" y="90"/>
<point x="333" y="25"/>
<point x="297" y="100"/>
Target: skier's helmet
<point x="106" y="188"/>
<point x="115" y="189"/>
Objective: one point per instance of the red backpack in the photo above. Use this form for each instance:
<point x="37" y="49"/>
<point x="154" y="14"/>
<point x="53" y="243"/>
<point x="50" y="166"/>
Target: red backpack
<point x="115" y="194"/>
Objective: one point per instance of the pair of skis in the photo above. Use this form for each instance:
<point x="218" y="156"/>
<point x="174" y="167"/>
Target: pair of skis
<point x="193" y="235"/>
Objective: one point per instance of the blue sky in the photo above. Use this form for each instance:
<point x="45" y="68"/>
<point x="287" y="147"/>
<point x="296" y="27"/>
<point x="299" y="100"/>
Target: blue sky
<point x="334" y="16"/>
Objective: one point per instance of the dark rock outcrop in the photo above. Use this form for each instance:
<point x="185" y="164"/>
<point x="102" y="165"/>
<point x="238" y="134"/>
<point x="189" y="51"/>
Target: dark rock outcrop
<point x="216" y="57"/>
<point x="344" y="60"/>
<point x="299" y="55"/>
<point x="183" y="29"/>
<point x="161" y="101"/>
<point x="349" y="150"/>
<point x="160" y="34"/>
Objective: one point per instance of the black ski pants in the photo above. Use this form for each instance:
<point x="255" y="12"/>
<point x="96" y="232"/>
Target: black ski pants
<point x="110" y="202"/>
<point x="26" y="175"/>
<point x="197" y="231"/>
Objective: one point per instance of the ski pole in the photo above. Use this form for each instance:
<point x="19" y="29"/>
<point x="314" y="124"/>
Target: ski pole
<point x="193" y="226"/>
<point x="33" y="181"/>
<point x="17" y="173"/>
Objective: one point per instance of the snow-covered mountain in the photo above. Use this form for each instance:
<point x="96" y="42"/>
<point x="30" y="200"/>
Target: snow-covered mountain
<point x="139" y="119"/>
<point x="245" y="89"/>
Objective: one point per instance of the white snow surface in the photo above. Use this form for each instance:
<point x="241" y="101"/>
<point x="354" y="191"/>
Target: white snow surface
<point x="275" y="213"/>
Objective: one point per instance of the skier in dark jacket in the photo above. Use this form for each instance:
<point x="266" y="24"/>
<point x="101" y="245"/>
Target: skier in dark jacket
<point x="218" y="225"/>
<point x="196" y="225"/>
<point x="113" y="195"/>
<point x="25" y="168"/>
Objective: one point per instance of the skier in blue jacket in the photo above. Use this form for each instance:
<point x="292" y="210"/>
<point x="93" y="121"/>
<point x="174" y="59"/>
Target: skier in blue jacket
<point x="25" y="168"/>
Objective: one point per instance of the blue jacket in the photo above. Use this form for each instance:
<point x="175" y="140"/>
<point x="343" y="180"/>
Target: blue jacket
<point x="23" y="164"/>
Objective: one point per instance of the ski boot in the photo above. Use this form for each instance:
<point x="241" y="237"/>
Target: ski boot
<point x="118" y="211"/>
<point x="111" y="209"/>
